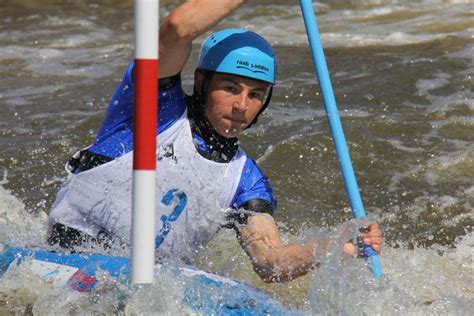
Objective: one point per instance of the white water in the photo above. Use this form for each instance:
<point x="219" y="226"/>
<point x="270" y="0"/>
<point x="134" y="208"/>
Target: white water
<point x="411" y="63"/>
<point x="363" y="23"/>
<point x="434" y="281"/>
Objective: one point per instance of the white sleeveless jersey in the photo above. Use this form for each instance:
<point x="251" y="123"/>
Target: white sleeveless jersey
<point x="192" y="195"/>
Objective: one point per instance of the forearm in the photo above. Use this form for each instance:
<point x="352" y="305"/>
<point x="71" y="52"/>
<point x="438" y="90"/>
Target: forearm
<point x="195" y="17"/>
<point x="184" y="24"/>
<point x="273" y="260"/>
<point x="288" y="262"/>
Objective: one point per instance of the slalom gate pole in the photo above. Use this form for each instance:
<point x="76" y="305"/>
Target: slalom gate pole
<point x="335" y="126"/>
<point x="144" y="140"/>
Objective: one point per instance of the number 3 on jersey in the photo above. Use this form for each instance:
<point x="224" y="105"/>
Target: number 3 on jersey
<point x="167" y="199"/>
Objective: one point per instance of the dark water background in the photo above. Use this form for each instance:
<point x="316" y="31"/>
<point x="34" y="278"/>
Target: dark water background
<point x="402" y="74"/>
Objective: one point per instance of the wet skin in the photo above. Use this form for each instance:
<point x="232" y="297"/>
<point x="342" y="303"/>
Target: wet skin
<point x="233" y="102"/>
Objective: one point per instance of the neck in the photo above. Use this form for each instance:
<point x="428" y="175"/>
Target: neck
<point x="213" y="145"/>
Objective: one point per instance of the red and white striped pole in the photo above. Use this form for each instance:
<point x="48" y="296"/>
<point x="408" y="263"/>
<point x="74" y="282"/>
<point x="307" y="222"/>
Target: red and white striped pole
<point x="145" y="128"/>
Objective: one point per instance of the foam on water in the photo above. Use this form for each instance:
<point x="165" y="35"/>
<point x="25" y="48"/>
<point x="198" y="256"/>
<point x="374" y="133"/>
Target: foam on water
<point x="460" y="164"/>
<point x="342" y="23"/>
<point x="18" y="225"/>
<point x="434" y="281"/>
<point x="437" y="281"/>
<point x="363" y="23"/>
<point x="61" y="46"/>
<point x="424" y="176"/>
<point x="22" y="291"/>
<point x="411" y="281"/>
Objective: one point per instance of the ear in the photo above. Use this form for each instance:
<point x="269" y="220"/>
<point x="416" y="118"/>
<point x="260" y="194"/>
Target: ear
<point x="198" y="80"/>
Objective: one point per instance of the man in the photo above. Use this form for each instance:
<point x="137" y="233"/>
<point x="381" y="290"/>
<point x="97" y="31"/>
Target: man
<point x="204" y="179"/>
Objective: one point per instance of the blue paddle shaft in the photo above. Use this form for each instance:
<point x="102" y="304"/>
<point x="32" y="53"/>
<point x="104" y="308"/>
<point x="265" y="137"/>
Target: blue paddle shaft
<point x="335" y="126"/>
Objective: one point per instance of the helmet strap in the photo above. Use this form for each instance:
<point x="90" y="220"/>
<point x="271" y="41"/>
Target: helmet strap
<point x="202" y="95"/>
<point x="223" y="149"/>
<point x="265" y="105"/>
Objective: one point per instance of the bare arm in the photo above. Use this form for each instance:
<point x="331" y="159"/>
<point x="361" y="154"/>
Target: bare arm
<point x="278" y="262"/>
<point x="186" y="23"/>
<point x="271" y="259"/>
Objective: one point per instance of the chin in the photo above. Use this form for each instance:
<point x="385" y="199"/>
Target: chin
<point x="231" y="134"/>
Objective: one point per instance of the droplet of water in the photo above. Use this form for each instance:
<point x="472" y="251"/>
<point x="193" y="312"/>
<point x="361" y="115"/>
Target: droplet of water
<point x="369" y="96"/>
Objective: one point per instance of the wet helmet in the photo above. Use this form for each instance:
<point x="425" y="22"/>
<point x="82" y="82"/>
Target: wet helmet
<point x="239" y="52"/>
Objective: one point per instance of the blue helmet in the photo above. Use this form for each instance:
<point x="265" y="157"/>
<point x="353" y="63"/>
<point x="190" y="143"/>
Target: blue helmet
<point x="239" y="52"/>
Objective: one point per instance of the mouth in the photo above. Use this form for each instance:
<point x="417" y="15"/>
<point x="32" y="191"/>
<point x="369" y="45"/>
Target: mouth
<point x="235" y="121"/>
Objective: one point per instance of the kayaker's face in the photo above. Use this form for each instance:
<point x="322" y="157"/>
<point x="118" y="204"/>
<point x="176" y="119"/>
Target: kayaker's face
<point x="233" y="102"/>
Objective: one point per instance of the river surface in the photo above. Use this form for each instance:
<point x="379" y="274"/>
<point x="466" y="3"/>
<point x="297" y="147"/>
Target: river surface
<point x="402" y="73"/>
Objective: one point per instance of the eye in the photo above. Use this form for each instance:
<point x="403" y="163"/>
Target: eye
<point x="230" y="88"/>
<point x="257" y="95"/>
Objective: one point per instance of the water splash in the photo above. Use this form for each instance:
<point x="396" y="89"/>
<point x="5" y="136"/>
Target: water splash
<point x="415" y="282"/>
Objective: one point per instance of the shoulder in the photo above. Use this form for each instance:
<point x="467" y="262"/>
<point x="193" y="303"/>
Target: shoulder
<point x="115" y="137"/>
<point x="172" y="101"/>
<point x="252" y="173"/>
<point x="254" y="188"/>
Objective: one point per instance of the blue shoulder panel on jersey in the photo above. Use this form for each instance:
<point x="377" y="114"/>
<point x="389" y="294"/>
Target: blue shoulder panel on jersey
<point x="253" y="185"/>
<point x="115" y="137"/>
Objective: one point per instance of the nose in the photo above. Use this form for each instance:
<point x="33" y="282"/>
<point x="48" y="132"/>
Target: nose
<point x="240" y="103"/>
